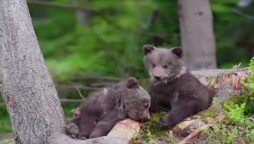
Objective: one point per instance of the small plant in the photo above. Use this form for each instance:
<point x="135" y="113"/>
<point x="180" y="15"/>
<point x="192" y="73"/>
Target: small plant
<point x="237" y="114"/>
<point x="149" y="137"/>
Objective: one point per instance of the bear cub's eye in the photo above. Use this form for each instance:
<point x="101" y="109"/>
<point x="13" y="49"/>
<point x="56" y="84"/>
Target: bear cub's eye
<point x="153" y="65"/>
<point x="165" y="66"/>
<point x="146" y="106"/>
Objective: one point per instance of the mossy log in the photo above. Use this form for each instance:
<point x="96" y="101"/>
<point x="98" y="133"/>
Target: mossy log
<point x="227" y="83"/>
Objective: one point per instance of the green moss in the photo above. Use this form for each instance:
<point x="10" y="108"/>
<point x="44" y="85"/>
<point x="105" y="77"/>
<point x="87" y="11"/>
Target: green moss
<point x="151" y="128"/>
<point x="231" y="103"/>
<point x="153" y="133"/>
<point x="211" y="112"/>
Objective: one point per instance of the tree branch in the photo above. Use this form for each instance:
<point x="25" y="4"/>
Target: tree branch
<point x="241" y="13"/>
<point x="71" y="100"/>
<point x="79" y="92"/>
<point x="194" y="134"/>
<point x="73" y="6"/>
<point x="58" y="5"/>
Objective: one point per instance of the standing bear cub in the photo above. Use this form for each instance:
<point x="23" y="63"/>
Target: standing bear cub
<point x="172" y="86"/>
<point x="105" y="107"/>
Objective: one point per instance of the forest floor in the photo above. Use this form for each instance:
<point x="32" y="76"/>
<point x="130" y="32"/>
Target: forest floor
<point x="236" y="128"/>
<point x="225" y="132"/>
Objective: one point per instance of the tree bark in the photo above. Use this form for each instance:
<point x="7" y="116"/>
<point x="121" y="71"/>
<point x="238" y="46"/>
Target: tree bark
<point x="28" y="90"/>
<point x="197" y="35"/>
<point x="82" y="16"/>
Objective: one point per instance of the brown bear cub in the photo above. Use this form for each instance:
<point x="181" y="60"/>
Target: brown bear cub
<point x="105" y="107"/>
<point x="173" y="87"/>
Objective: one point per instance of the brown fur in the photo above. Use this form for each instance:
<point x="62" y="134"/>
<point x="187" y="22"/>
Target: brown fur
<point x="104" y="108"/>
<point x="173" y="87"/>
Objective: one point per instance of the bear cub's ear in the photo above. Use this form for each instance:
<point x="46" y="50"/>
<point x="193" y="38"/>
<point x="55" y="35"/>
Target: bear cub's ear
<point x="178" y="52"/>
<point x="132" y="83"/>
<point x="148" y="48"/>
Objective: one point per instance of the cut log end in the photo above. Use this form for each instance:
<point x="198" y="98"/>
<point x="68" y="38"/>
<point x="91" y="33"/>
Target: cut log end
<point x="125" y="129"/>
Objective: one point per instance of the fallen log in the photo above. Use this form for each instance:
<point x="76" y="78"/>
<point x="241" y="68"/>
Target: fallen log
<point x="227" y="83"/>
<point x="125" y="129"/>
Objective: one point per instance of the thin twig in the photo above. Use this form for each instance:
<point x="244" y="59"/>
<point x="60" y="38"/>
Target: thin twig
<point x="79" y="92"/>
<point x="251" y="17"/>
<point x="194" y="134"/>
<point x="71" y="100"/>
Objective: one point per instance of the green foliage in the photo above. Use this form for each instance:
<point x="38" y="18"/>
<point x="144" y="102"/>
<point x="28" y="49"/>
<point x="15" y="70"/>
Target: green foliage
<point x="106" y="46"/>
<point x="249" y="93"/>
<point x="5" y="124"/>
<point x="232" y="32"/>
<point x="211" y="112"/>
<point x="240" y="127"/>
<point x="251" y="78"/>
<point x="228" y="134"/>
<point x="244" y="102"/>
<point x="111" y="41"/>
<point x="237" y="114"/>
<point x="152" y="133"/>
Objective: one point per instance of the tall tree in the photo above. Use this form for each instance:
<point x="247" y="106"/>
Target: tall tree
<point x="197" y="35"/>
<point x="28" y="90"/>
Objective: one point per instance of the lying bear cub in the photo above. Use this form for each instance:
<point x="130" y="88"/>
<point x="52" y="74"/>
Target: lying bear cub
<point x="173" y="87"/>
<point x="105" y="107"/>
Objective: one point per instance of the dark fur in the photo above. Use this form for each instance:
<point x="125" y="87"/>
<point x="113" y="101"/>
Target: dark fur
<point x="173" y="87"/>
<point x="104" y="108"/>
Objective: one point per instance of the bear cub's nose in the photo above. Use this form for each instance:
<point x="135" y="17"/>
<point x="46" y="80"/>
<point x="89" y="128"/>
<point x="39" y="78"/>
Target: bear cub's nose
<point x="157" y="78"/>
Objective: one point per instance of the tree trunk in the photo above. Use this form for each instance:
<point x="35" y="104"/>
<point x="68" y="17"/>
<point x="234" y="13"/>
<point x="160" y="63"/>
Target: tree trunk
<point x="197" y="35"/>
<point x="82" y="16"/>
<point x="28" y="90"/>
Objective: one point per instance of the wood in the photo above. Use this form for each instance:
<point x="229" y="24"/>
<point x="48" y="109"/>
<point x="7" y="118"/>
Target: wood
<point x="227" y="83"/>
<point x="125" y="129"/>
<point x="194" y="134"/>
<point x="197" y="37"/>
<point x="71" y="100"/>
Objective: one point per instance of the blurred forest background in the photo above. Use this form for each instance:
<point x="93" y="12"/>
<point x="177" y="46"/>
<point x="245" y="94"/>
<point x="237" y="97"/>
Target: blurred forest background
<point x="105" y="38"/>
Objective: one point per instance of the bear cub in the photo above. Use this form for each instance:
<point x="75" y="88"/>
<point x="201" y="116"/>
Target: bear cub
<point x="173" y="87"/>
<point x="105" y="107"/>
